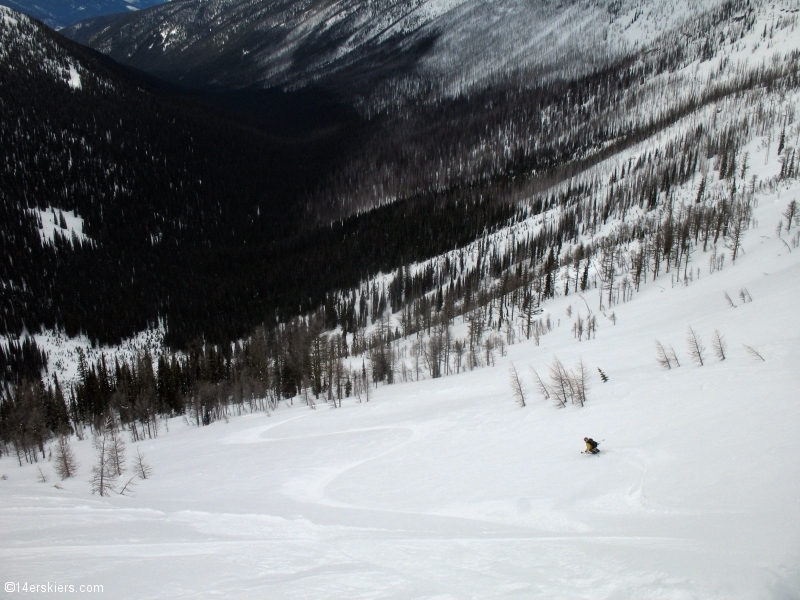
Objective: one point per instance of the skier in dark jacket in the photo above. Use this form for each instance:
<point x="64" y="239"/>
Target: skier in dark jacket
<point x="591" y="446"/>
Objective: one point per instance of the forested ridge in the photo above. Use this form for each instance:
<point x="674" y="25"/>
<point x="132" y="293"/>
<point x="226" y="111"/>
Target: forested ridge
<point x="195" y="216"/>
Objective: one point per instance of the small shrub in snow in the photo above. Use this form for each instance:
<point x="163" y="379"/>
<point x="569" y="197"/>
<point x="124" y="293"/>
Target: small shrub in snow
<point x="517" y="385"/>
<point x="128" y="487"/>
<point x="792" y="215"/>
<point x="541" y="385"/>
<point x="42" y="478"/>
<point x="666" y="357"/>
<point x="754" y="353"/>
<point x="662" y="358"/>
<point x="673" y="357"/>
<point x="719" y="346"/>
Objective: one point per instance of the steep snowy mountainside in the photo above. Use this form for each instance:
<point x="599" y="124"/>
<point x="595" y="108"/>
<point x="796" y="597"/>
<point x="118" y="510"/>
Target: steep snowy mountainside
<point x="532" y="129"/>
<point x="294" y="43"/>
<point x="60" y="13"/>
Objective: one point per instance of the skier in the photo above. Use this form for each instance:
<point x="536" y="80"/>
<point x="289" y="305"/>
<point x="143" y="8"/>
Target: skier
<point x="591" y="446"/>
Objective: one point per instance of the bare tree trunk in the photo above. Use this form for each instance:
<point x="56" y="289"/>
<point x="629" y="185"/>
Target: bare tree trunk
<point x="517" y="386"/>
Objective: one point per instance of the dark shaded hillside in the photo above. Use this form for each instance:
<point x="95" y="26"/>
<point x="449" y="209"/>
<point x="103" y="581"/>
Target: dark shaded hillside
<point x="240" y="43"/>
<point x="190" y="211"/>
<point x="152" y="173"/>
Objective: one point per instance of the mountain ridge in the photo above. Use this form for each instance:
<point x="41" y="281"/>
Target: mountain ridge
<point x="61" y="13"/>
<point x="236" y="43"/>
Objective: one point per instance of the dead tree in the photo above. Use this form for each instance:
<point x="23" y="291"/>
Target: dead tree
<point x="541" y="385"/>
<point x="696" y="348"/>
<point x="580" y="381"/>
<point x="719" y="345"/>
<point x="561" y="383"/>
<point x="517" y="385"/>
<point x="140" y="467"/>
<point x="117" y="448"/>
<point x="754" y="353"/>
<point x="662" y="358"/>
<point x="673" y="357"/>
<point x="104" y="472"/>
<point x="65" y="461"/>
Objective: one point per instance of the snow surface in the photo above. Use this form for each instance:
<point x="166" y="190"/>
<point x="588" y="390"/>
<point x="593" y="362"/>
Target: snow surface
<point x="446" y="488"/>
<point x="63" y="351"/>
<point x="50" y="217"/>
<point x="9" y="16"/>
<point x="74" y="78"/>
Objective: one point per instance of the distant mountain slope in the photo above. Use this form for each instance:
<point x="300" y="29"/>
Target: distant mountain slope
<point x="234" y="43"/>
<point x="175" y="212"/>
<point x="60" y="13"/>
<point x="124" y="203"/>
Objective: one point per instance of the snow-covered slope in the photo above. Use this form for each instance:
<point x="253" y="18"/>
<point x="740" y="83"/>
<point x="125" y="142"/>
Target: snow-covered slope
<point x="447" y="488"/>
<point x="247" y="42"/>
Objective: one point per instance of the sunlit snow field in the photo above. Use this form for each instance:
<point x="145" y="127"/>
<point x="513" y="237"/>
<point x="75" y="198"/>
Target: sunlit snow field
<point x="447" y="488"/>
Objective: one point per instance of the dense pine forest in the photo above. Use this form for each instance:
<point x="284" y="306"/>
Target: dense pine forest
<point x="311" y="258"/>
